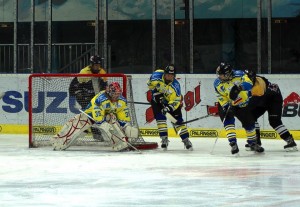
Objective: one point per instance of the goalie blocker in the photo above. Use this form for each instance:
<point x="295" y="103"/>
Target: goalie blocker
<point x="111" y="130"/>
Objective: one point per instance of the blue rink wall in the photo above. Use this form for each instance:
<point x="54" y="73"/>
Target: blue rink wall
<point x="198" y="98"/>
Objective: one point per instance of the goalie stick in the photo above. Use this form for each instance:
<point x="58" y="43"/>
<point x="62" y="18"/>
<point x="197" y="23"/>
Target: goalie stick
<point x="128" y="143"/>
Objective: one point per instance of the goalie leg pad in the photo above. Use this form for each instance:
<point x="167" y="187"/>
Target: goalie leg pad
<point x="70" y="132"/>
<point x="114" y="132"/>
<point x="131" y="132"/>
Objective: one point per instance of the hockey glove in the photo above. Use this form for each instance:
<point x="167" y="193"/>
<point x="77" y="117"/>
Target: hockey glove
<point x="234" y="92"/>
<point x="158" y="97"/>
<point x="167" y="109"/>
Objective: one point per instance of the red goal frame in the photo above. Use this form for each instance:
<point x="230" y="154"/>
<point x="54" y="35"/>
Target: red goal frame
<point x="55" y="75"/>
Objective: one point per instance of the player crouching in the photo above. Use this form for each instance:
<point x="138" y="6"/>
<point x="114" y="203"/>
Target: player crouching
<point x="107" y="111"/>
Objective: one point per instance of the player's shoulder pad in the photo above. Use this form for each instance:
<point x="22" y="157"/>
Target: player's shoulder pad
<point x="86" y="70"/>
<point x="157" y="75"/>
<point x="122" y="98"/>
<point x="217" y="82"/>
<point x="102" y="71"/>
<point x="176" y="86"/>
<point x="238" y="73"/>
<point x="101" y="98"/>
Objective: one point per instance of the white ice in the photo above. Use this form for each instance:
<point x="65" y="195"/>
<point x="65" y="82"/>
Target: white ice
<point x="177" y="177"/>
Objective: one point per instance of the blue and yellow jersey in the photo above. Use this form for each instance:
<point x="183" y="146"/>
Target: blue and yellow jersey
<point x="222" y="89"/>
<point x="88" y="70"/>
<point x="170" y="91"/>
<point x="100" y="106"/>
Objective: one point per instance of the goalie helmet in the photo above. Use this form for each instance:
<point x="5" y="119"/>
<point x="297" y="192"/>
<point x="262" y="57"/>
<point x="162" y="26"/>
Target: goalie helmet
<point x="225" y="70"/>
<point x="95" y="59"/>
<point x="114" y="91"/>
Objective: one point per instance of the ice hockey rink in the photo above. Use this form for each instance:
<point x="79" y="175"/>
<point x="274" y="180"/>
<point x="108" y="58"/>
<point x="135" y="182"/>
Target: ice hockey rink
<point x="177" y="177"/>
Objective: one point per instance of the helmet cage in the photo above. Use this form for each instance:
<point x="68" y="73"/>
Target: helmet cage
<point x="114" y="90"/>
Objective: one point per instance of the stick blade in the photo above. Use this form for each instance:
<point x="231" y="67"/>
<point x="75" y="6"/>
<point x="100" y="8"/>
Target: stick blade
<point x="171" y="118"/>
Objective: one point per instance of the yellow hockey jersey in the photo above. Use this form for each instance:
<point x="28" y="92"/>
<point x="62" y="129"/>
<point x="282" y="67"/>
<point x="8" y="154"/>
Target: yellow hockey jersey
<point x="100" y="106"/>
<point x="222" y="90"/>
<point x="170" y="91"/>
<point x="88" y="70"/>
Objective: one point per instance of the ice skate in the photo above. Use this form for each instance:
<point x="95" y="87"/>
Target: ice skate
<point x="291" y="144"/>
<point x="187" y="144"/>
<point x="234" y="148"/>
<point x="248" y="147"/>
<point x="256" y="148"/>
<point x="164" y="143"/>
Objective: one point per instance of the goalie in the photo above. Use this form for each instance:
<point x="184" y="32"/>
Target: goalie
<point x="108" y="111"/>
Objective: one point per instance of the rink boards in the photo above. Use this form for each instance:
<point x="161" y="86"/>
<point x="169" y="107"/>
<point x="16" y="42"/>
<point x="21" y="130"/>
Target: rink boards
<point x="198" y="98"/>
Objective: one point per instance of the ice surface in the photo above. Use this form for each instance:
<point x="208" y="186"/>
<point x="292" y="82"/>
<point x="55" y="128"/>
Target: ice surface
<point x="177" y="177"/>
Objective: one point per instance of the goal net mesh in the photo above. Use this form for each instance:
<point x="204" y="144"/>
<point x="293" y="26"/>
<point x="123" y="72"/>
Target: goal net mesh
<point x="56" y="98"/>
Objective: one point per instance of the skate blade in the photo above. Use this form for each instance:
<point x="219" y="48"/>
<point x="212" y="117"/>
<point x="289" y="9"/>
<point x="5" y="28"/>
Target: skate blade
<point x="190" y="149"/>
<point x="291" y="149"/>
<point x="236" y="154"/>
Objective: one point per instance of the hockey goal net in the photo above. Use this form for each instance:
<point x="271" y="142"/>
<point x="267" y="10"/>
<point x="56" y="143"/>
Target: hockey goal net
<point x="56" y="98"/>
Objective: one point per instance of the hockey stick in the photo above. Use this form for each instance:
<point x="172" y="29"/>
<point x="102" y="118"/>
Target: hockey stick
<point x="173" y="120"/>
<point x="226" y="113"/>
<point x="136" y="102"/>
<point x="196" y="119"/>
<point x="128" y="143"/>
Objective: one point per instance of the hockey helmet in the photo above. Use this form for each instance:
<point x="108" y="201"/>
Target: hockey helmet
<point x="170" y="69"/>
<point x="224" y="71"/>
<point x="114" y="90"/>
<point x="95" y="59"/>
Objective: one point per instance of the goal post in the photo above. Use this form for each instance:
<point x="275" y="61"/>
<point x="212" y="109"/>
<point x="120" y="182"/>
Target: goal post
<point x="53" y="99"/>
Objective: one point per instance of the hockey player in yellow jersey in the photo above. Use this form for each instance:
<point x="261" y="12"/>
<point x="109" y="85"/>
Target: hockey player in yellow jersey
<point x="167" y="98"/>
<point x="94" y="68"/>
<point x="108" y="110"/>
<point x="85" y="88"/>
<point x="233" y="91"/>
<point x="109" y="102"/>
